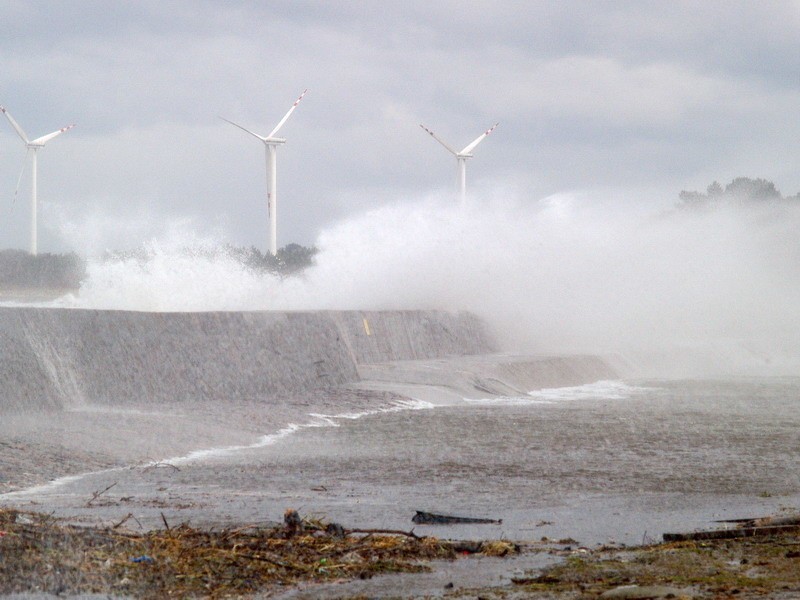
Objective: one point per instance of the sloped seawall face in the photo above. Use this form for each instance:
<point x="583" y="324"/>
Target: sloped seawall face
<point x="55" y="357"/>
<point x="381" y="336"/>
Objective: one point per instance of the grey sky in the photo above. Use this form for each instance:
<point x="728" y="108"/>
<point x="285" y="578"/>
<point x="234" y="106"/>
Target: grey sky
<point x="631" y="99"/>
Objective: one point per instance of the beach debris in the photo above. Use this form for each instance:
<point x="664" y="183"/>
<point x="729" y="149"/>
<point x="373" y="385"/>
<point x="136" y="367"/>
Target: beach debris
<point x="467" y="546"/>
<point x="427" y="518"/>
<point x="499" y="548"/>
<point x="542" y="579"/>
<point x="185" y="562"/>
<point x="771" y="520"/>
<point x="293" y="523"/>
<point x="96" y="495"/>
<point x="747" y="527"/>
<point x="645" y="592"/>
<point x="745" y="568"/>
<point x="410" y="534"/>
<point x="122" y="522"/>
<point x="335" y="530"/>
<point x="730" y="534"/>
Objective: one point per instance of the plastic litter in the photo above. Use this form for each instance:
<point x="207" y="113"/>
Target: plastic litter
<point x="143" y="559"/>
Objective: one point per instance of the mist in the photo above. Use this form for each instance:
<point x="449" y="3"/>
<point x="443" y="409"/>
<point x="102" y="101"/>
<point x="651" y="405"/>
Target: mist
<point x="676" y="292"/>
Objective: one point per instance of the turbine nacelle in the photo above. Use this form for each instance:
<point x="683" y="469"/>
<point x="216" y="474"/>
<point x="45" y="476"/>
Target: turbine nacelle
<point x="268" y="140"/>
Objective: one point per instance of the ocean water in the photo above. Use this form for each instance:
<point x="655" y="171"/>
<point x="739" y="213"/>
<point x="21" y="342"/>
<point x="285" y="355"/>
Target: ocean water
<point x="608" y="461"/>
<point x="621" y="461"/>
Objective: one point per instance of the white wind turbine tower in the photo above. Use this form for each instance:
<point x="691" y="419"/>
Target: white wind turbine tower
<point x="271" y="144"/>
<point x="461" y="157"/>
<point x="34" y="145"/>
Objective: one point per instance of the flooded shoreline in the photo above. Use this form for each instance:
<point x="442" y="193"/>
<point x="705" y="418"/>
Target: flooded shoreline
<point x="614" y="466"/>
<point x="615" y="462"/>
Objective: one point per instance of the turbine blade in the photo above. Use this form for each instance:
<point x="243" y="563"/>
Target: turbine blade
<point x="19" y="179"/>
<point x="286" y="116"/>
<point x="478" y="140"/>
<point x="438" y="139"/>
<point x="262" y="138"/>
<point x="41" y="141"/>
<point x="15" y="125"/>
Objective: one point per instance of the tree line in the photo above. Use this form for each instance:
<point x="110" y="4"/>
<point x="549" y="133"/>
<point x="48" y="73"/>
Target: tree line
<point x="21" y="270"/>
<point x="289" y="260"/>
<point x="741" y="190"/>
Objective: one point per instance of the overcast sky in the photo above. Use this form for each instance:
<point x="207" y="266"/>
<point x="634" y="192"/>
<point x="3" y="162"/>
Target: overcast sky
<point x="630" y="100"/>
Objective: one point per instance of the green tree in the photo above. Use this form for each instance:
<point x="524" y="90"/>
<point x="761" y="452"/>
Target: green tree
<point x="740" y="190"/>
<point x="746" y="189"/>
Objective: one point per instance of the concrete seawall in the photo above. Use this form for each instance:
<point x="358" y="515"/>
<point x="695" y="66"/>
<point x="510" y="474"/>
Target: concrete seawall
<point x="84" y="390"/>
<point x="481" y="376"/>
<point x="50" y="358"/>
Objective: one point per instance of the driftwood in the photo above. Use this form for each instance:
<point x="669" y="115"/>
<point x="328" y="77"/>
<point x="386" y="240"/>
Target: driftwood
<point x="426" y="518"/>
<point x="466" y="546"/>
<point x="727" y="534"/>
<point x="410" y="534"/>
<point x="121" y="523"/>
<point x="764" y="521"/>
<point x="96" y="495"/>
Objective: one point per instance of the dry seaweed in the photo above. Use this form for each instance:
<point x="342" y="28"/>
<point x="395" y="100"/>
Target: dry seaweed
<point x="39" y="553"/>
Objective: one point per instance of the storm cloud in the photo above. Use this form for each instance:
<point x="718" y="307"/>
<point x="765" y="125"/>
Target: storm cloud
<point x="634" y="99"/>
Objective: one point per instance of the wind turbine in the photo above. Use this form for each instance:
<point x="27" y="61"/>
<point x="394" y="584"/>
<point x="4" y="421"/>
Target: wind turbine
<point x="271" y="144"/>
<point x="461" y="157"/>
<point x="34" y="145"/>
